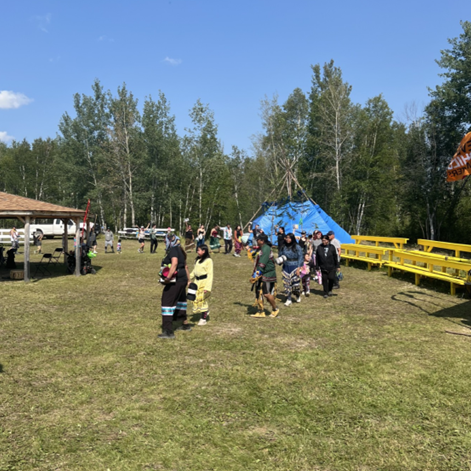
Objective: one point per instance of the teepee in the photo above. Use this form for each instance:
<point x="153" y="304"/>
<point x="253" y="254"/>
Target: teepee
<point x="295" y="213"/>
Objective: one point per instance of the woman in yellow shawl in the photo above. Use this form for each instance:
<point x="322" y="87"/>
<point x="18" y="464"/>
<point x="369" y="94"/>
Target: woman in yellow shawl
<point x="202" y="275"/>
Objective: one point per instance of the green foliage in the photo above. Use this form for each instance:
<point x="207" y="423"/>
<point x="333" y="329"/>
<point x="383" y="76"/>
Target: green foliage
<point x="371" y="173"/>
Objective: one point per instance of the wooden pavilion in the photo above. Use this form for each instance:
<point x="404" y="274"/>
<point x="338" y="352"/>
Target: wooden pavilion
<point x="25" y="209"/>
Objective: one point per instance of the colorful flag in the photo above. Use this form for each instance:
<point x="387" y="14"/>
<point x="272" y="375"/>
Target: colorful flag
<point x="460" y="165"/>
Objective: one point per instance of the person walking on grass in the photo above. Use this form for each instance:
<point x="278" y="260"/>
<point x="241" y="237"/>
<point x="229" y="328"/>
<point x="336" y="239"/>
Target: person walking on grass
<point x="38" y="242"/>
<point x="173" y="301"/>
<point x="336" y="243"/>
<point x="200" y="233"/>
<point x="92" y="240"/>
<point x="292" y="268"/>
<point x="328" y="262"/>
<point x="280" y="235"/>
<point x="153" y="239"/>
<point x="109" y="240"/>
<point x="265" y="266"/>
<point x="15" y="240"/>
<point x="189" y="238"/>
<point x="141" y="235"/>
<point x="119" y="247"/>
<point x="227" y="236"/>
<point x="214" y="243"/>
<point x="202" y="276"/>
<point x="238" y="241"/>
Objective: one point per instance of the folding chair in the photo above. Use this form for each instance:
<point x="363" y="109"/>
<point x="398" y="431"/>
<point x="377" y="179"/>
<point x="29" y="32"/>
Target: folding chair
<point x="42" y="266"/>
<point x="55" y="258"/>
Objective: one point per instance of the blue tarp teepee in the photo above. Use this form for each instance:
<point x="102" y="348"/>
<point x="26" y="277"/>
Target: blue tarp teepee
<point x="307" y="215"/>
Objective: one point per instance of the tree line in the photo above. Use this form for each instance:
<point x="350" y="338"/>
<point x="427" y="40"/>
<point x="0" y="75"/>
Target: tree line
<point x="371" y="173"/>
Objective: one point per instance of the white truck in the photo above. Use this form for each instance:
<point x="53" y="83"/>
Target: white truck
<point x="55" y="228"/>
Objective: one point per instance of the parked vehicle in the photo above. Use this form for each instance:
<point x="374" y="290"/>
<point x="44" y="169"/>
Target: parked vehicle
<point x="55" y="228"/>
<point x="133" y="232"/>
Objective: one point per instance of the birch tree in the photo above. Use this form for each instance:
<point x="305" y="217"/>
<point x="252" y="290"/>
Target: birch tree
<point x="82" y="140"/>
<point x="331" y="122"/>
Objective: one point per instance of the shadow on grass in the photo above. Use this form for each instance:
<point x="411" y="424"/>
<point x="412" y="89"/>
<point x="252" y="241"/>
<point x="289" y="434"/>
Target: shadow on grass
<point x="1" y="368"/>
<point x="460" y="311"/>
<point x="251" y="309"/>
<point x="53" y="271"/>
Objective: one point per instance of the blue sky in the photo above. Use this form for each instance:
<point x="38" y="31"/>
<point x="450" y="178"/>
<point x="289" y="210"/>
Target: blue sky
<point x="228" y="54"/>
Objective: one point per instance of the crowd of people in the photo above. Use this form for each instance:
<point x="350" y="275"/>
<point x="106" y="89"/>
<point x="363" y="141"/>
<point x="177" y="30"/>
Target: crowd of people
<point x="302" y="258"/>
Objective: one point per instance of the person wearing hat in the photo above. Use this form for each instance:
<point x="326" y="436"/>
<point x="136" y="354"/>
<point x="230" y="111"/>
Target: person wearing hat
<point x="328" y="262"/>
<point x="336" y="243"/>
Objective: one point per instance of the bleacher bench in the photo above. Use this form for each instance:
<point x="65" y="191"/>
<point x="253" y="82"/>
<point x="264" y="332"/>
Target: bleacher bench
<point x="371" y="255"/>
<point x="409" y="261"/>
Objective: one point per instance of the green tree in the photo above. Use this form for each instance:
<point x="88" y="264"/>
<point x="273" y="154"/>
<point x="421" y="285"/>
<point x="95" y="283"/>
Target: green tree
<point x="166" y="169"/>
<point x="450" y="108"/>
<point x="202" y="148"/>
<point x="83" y="140"/>
<point x="371" y="176"/>
<point x="126" y="154"/>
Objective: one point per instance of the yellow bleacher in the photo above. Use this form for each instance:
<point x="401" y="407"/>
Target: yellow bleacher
<point x="429" y="245"/>
<point x="371" y="255"/>
<point x="398" y="242"/>
<point x="409" y="261"/>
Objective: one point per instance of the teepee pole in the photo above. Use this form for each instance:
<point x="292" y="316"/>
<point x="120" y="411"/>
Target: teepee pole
<point x="261" y="206"/>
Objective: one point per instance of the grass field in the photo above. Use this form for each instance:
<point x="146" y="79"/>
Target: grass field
<point x="367" y="380"/>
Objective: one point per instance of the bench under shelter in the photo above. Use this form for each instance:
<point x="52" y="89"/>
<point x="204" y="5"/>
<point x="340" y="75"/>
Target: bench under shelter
<point x="27" y="209"/>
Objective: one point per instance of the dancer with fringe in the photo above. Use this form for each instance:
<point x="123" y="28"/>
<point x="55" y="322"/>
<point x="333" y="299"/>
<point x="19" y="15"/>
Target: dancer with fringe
<point x="202" y="276"/>
<point x="292" y="268"/>
<point x="174" y="302"/>
<point x="264" y="278"/>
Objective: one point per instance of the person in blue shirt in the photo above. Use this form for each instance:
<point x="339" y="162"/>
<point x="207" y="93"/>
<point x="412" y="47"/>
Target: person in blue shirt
<point x="292" y="268"/>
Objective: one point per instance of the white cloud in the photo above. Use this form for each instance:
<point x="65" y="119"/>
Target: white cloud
<point x="172" y="61"/>
<point x="4" y="137"/>
<point x="9" y="99"/>
<point x="106" y="38"/>
<point x="43" y="22"/>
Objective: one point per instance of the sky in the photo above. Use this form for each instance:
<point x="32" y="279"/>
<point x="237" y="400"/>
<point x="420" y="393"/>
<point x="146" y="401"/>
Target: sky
<point x="229" y="54"/>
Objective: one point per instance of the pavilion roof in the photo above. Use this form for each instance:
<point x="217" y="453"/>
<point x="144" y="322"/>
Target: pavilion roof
<point x="12" y="206"/>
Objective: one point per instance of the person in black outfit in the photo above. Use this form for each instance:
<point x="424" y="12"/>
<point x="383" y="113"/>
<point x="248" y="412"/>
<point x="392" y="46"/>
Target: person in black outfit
<point x="328" y="262"/>
<point x="174" y="294"/>
<point x="153" y="239"/>
<point x="281" y="234"/>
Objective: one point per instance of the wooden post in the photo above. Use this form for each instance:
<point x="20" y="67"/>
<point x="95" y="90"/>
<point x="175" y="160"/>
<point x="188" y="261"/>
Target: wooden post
<point x="66" y="242"/>
<point x="78" y="247"/>
<point x="27" y="271"/>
